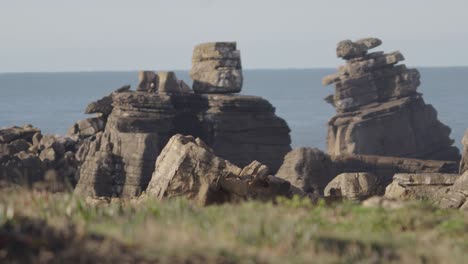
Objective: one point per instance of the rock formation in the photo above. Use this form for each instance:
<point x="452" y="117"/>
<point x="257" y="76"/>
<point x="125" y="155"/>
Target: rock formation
<point x="30" y="159"/>
<point x="422" y="186"/>
<point x="353" y="186"/>
<point x="216" y="68"/>
<point x="308" y="169"/>
<point x="120" y="160"/>
<point x="188" y="168"/>
<point x="379" y="111"/>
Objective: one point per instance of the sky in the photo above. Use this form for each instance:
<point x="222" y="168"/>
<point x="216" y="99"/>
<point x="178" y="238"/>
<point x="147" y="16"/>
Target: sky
<point x="121" y="35"/>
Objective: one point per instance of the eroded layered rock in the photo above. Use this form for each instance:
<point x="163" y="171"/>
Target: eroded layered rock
<point x="188" y="168"/>
<point x="216" y="68"/>
<point x="386" y="167"/>
<point x="422" y="186"/>
<point x="379" y="111"/>
<point x="238" y="128"/>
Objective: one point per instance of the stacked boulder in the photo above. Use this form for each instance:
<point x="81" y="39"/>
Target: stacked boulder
<point x="119" y="161"/>
<point x="216" y="68"/>
<point x="379" y="111"/>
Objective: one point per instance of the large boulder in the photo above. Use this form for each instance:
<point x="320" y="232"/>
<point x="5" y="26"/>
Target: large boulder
<point x="216" y="68"/>
<point x="379" y="111"/>
<point x="457" y="196"/>
<point x="424" y="186"/>
<point x="188" y="168"/>
<point x="353" y="186"/>
<point x="308" y="169"/>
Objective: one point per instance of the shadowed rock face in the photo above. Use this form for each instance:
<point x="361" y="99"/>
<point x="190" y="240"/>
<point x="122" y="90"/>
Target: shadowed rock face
<point x="121" y="160"/>
<point x="378" y="109"/>
<point x="43" y="162"/>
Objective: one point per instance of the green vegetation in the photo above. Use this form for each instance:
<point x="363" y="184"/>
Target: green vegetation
<point x="290" y="231"/>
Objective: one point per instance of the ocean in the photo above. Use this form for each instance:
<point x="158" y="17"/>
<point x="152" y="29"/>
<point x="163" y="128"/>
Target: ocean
<point x="54" y="101"/>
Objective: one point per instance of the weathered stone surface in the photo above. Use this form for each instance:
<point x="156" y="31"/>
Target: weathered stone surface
<point x="168" y="83"/>
<point x="36" y="139"/>
<point x="379" y="109"/>
<point x="221" y="80"/>
<point x="14" y="147"/>
<point x="58" y="144"/>
<point x="353" y="186"/>
<point x="308" y="169"/>
<point x="148" y="81"/>
<point x="199" y="56"/>
<point x="238" y="128"/>
<point x="464" y="160"/>
<point x="406" y="127"/>
<point x="9" y="134"/>
<point x="187" y="167"/>
<point x="216" y="46"/>
<point x="425" y="186"/>
<point x="104" y="105"/>
<point x="87" y="127"/>
<point x="22" y="168"/>
<point x="348" y="49"/>
<point x="457" y="196"/>
<point x="48" y="155"/>
<point x="386" y="167"/>
<point x="27" y="155"/>
<point x="216" y="68"/>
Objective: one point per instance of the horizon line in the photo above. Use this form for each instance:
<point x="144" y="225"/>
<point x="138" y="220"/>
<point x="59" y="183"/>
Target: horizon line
<point x="246" y="69"/>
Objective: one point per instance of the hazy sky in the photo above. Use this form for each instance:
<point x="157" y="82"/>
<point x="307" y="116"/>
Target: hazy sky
<point x="87" y="35"/>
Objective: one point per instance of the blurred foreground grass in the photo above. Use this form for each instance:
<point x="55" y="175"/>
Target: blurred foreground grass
<point x="291" y="231"/>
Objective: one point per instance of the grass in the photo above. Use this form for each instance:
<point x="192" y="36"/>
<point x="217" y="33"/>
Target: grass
<point x="289" y="231"/>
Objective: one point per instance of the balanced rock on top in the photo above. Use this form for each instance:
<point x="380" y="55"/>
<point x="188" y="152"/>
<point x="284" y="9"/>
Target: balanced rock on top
<point x="216" y="68"/>
<point x="379" y="111"/>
